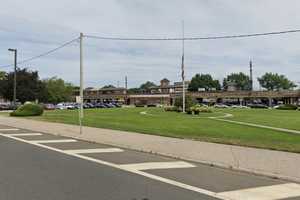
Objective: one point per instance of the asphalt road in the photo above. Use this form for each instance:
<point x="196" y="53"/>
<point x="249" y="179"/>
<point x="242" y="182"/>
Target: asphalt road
<point x="38" y="166"/>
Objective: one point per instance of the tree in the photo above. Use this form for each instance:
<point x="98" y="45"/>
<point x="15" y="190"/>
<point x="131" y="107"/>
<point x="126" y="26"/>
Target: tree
<point x="133" y="90"/>
<point x="203" y="81"/>
<point x="108" y="86"/>
<point x="189" y="102"/>
<point x="272" y="81"/>
<point x="29" y="86"/>
<point x="2" y="75"/>
<point x="147" y="85"/>
<point x="241" y="80"/>
<point x="58" y="90"/>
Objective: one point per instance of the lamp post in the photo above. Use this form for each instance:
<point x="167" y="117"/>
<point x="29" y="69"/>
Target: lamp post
<point x="15" y="75"/>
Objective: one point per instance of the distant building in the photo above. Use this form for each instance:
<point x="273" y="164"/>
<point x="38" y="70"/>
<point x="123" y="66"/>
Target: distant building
<point x="166" y="88"/>
<point x="105" y="95"/>
<point x="166" y="94"/>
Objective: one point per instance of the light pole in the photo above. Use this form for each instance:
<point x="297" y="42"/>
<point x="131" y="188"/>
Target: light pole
<point x="15" y="76"/>
<point x="81" y="82"/>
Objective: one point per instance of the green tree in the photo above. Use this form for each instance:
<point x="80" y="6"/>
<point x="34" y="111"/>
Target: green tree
<point x="241" y="80"/>
<point x="29" y="86"/>
<point x="189" y="102"/>
<point x="2" y="75"/>
<point x="147" y="85"/>
<point x="274" y="81"/>
<point x="108" y="86"/>
<point x="203" y="81"/>
<point x="133" y="90"/>
<point x="58" y="90"/>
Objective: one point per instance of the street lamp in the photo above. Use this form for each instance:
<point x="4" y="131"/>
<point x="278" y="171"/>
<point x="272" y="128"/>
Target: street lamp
<point x="15" y="75"/>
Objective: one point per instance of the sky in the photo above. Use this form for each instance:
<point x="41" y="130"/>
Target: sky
<point x="37" y="26"/>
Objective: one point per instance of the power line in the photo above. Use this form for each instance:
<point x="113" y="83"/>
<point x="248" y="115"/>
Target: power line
<point x="42" y="54"/>
<point x="196" y="38"/>
<point x="156" y="39"/>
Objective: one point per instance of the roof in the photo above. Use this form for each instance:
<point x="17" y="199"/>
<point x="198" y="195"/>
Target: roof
<point x="149" y="95"/>
<point x="104" y="89"/>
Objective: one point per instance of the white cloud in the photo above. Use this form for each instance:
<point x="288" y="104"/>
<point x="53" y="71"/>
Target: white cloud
<point x="36" y="26"/>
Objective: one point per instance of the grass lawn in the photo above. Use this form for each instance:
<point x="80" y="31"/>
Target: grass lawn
<point x="171" y="124"/>
<point x="275" y="118"/>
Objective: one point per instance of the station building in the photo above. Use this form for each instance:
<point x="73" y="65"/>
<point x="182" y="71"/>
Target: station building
<point x="166" y="93"/>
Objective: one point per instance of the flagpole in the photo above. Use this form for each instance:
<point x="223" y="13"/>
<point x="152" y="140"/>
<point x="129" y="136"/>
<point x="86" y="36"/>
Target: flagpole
<point x="182" y="71"/>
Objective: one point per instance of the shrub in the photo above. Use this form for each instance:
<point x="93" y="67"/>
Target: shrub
<point x="170" y="108"/>
<point x="287" y="107"/>
<point x="189" y="111"/>
<point x="189" y="102"/>
<point x="201" y="109"/>
<point x="29" y="109"/>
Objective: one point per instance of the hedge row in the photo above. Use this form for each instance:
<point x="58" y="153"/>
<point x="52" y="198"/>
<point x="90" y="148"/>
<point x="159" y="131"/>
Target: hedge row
<point x="28" y="109"/>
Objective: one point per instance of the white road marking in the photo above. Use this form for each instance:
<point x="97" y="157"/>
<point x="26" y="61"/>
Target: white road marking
<point x="145" y="174"/>
<point x="9" y="129"/>
<point x="291" y="188"/>
<point x="101" y="150"/>
<point x="53" y="141"/>
<point x="158" y="165"/>
<point x="274" y="192"/>
<point x="25" y="134"/>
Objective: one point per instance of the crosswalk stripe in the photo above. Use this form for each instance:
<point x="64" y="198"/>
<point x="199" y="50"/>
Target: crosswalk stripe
<point x="9" y="129"/>
<point x="158" y="165"/>
<point x="101" y="150"/>
<point x="53" y="141"/>
<point x="274" y="192"/>
<point x="24" y="134"/>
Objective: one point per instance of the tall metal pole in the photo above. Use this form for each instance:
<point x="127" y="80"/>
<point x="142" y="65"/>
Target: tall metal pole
<point x="15" y="76"/>
<point x="126" y="90"/>
<point x="81" y="82"/>
<point x="15" y="79"/>
<point x="251" y="76"/>
<point x="183" y="75"/>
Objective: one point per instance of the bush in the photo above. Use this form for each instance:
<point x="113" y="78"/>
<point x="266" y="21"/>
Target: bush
<point x="170" y="108"/>
<point x="287" y="107"/>
<point x="29" y="109"/>
<point x="189" y="111"/>
<point x="200" y="109"/>
<point x="189" y="102"/>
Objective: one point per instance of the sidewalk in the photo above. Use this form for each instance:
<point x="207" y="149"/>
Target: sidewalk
<point x="271" y="163"/>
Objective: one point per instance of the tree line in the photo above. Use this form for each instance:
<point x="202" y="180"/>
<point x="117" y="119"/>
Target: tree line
<point x="31" y="88"/>
<point x="241" y="81"/>
<point x="54" y="90"/>
<point x="269" y="81"/>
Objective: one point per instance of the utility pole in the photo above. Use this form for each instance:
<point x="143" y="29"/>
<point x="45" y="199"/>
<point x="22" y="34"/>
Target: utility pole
<point x="251" y="76"/>
<point x="81" y="82"/>
<point x="182" y="71"/>
<point x="15" y="76"/>
<point x="126" y="88"/>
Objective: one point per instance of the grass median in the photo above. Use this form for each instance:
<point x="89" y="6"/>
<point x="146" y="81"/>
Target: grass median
<point x="171" y="124"/>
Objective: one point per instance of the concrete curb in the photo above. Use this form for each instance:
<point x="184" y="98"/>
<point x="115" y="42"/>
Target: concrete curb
<point x="259" y="161"/>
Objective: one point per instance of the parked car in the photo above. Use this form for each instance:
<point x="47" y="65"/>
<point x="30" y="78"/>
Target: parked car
<point x="239" y="106"/>
<point x="61" y="106"/>
<point x="49" y="106"/>
<point x="4" y="106"/>
<point x="221" y="106"/>
<point x="257" y="105"/>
